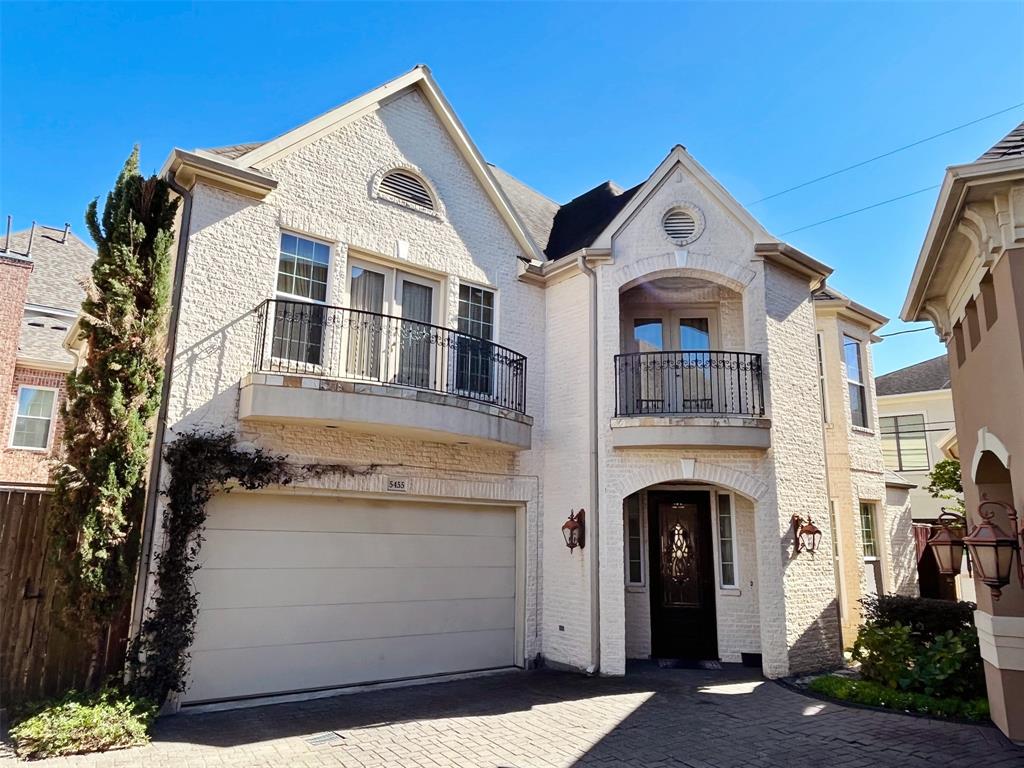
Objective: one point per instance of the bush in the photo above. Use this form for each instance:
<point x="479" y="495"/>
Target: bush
<point x="918" y="645"/>
<point x="886" y="654"/>
<point x="876" y="695"/>
<point x="926" y="617"/>
<point x="80" y="723"/>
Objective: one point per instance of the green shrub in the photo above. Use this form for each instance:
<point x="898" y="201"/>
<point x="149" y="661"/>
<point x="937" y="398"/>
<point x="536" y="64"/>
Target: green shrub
<point x="926" y="617"/>
<point x="920" y="645"/>
<point x="80" y="723"/>
<point x="886" y="654"/>
<point x="950" y="665"/>
<point x="877" y="695"/>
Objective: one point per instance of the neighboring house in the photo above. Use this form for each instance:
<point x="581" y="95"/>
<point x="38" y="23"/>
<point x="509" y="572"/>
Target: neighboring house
<point x="915" y="413"/>
<point x="969" y="282"/>
<point x="365" y="289"/>
<point x="869" y="507"/>
<point x="42" y="272"/>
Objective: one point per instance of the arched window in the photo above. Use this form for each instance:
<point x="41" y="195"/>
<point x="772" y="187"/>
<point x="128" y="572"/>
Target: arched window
<point x="406" y="187"/>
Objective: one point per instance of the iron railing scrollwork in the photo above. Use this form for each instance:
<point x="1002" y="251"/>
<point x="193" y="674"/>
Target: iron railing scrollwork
<point x="689" y="382"/>
<point x="295" y="337"/>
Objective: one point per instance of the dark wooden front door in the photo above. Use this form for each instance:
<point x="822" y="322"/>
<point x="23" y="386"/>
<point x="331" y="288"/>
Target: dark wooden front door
<point x="682" y="576"/>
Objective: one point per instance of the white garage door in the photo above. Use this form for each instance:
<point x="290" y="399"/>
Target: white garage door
<point x="301" y="592"/>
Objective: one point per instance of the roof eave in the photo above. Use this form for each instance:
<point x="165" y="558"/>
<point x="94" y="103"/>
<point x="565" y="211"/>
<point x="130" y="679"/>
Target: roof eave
<point x="785" y="255"/>
<point x="187" y="168"/>
<point x="952" y="194"/>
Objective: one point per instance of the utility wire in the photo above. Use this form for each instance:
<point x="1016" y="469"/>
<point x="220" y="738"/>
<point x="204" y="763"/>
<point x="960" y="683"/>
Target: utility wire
<point x="886" y="154"/>
<point x="912" y="330"/>
<point x="861" y="210"/>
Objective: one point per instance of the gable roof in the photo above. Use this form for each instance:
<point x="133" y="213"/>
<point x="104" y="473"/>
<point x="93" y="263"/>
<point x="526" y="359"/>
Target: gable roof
<point x="680" y="157"/>
<point x="1011" y="145"/>
<point x="56" y="287"/>
<point x="927" y="376"/>
<point x="256" y="155"/>
<point x="58" y="268"/>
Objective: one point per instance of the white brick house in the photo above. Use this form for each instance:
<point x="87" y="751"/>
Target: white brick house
<point x="366" y="290"/>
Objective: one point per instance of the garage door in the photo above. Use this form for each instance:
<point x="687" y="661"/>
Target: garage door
<point x="301" y="593"/>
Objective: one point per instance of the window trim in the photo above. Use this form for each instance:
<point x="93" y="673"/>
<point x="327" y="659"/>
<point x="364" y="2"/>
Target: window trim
<point x="927" y="444"/>
<point x="50" y="429"/>
<point x="328" y="288"/>
<point x="737" y="581"/>
<point x="826" y="414"/>
<point x="877" y="542"/>
<point x="862" y="383"/>
<point x="638" y="586"/>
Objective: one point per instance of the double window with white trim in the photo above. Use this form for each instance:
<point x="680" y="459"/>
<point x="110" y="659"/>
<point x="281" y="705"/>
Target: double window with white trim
<point x="33" y="418"/>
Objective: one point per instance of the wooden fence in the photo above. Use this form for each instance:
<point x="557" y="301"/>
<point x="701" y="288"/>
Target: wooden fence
<point x="39" y="655"/>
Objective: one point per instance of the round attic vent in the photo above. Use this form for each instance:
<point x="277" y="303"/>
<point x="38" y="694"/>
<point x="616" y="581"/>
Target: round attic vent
<point x="681" y="226"/>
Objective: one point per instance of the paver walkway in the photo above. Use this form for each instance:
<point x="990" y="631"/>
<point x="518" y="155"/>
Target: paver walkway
<point x="652" y="717"/>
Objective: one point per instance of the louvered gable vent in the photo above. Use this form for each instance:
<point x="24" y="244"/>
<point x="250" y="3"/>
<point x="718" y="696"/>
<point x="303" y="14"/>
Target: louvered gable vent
<point x="407" y="188"/>
<point x="679" y="225"/>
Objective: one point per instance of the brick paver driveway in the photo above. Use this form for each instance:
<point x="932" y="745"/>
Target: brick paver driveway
<point x="652" y="717"/>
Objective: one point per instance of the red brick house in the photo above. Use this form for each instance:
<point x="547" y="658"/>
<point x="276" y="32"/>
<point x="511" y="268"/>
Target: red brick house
<point x="42" y="273"/>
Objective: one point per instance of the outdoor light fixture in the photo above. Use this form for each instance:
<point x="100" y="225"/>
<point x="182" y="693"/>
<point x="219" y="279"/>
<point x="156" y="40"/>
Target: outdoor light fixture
<point x="993" y="550"/>
<point x="947" y="543"/>
<point x="574" y="530"/>
<point x="806" y="535"/>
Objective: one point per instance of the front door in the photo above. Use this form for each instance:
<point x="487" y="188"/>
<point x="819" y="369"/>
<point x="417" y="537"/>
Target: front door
<point x="682" y="576"/>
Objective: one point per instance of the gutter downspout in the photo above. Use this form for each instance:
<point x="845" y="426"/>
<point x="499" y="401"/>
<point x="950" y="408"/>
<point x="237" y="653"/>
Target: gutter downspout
<point x="595" y="511"/>
<point x="153" y="488"/>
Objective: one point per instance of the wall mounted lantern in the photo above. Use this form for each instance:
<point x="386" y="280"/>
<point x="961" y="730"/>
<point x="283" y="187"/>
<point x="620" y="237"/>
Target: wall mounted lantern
<point x="947" y="543"/>
<point x="993" y="550"/>
<point x="806" y="535"/>
<point x="574" y="530"/>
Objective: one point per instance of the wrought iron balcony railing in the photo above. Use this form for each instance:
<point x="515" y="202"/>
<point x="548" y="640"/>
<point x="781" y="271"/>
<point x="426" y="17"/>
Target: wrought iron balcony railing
<point x="295" y="337"/>
<point x="686" y="383"/>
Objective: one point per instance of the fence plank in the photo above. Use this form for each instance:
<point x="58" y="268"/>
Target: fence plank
<point x="40" y="656"/>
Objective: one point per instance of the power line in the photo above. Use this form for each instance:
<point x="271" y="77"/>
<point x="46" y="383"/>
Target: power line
<point x="861" y="210"/>
<point x="886" y="154"/>
<point x="911" y="330"/>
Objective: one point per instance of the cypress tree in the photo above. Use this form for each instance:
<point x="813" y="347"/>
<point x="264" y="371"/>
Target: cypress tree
<point x="100" y="477"/>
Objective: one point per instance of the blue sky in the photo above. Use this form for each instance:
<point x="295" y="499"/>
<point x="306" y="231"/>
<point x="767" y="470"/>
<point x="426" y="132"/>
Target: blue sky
<point x="561" y="95"/>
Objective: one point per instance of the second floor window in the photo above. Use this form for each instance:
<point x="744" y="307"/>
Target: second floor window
<point x="474" y="357"/>
<point x="855" y="382"/>
<point x="33" y="418"/>
<point x="904" y="442"/>
<point x="821" y="377"/>
<point x="302" y="268"/>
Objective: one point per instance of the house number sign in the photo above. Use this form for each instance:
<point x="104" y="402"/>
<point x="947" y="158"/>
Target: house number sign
<point x="398" y="485"/>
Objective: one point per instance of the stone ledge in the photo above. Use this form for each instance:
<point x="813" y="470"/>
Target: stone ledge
<point x="290" y="398"/>
<point x="702" y="431"/>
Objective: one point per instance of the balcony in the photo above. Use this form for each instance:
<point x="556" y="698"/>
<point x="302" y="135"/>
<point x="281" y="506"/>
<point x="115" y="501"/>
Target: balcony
<point x="689" y="398"/>
<point x="333" y="366"/>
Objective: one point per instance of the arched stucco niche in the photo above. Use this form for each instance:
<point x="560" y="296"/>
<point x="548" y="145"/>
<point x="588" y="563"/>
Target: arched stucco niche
<point x="738" y="481"/>
<point x="731" y="275"/>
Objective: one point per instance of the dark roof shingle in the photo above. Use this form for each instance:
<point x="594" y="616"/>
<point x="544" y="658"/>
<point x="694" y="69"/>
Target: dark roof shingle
<point x="1011" y="145"/>
<point x="58" y="268"/>
<point x="922" y="377"/>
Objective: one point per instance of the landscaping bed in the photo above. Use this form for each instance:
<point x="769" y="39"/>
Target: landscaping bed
<point x="912" y="655"/>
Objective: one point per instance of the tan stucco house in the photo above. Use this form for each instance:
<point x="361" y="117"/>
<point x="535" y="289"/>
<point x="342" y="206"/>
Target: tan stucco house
<point x="915" y="415"/>
<point x="366" y="289"/>
<point x="969" y="282"/>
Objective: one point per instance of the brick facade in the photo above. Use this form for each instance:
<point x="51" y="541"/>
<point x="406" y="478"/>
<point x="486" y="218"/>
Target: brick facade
<point x="20" y="465"/>
<point x="784" y="606"/>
